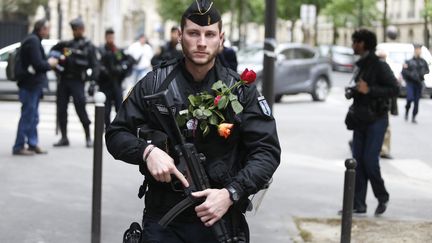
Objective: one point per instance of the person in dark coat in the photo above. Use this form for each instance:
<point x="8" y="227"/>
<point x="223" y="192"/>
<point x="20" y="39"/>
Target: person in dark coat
<point x="375" y="84"/>
<point x="31" y="84"/>
<point x="171" y="49"/>
<point x="115" y="66"/>
<point x="79" y="57"/>
<point x="413" y="72"/>
<point x="228" y="57"/>
<point x="239" y="162"/>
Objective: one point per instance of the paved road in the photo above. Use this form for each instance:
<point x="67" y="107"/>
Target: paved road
<point x="47" y="198"/>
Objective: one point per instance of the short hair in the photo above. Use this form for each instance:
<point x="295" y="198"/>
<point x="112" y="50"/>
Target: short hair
<point x="368" y="37"/>
<point x="417" y="45"/>
<point x="39" y="24"/>
<point x="109" y="31"/>
<point x="174" y="29"/>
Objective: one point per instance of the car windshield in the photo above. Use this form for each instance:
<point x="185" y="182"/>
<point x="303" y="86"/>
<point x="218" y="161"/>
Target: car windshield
<point x="399" y="57"/>
<point x="250" y="55"/>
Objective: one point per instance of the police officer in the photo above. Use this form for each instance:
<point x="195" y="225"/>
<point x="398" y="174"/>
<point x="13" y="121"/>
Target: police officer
<point x="115" y="65"/>
<point x="79" y="56"/>
<point x="237" y="166"/>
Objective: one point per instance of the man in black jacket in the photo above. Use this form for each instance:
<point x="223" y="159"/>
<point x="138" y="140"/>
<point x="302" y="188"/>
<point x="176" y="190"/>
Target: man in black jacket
<point x="237" y="166"/>
<point x="375" y="85"/>
<point x="115" y="65"/>
<point x="413" y="72"/>
<point x="31" y="84"/>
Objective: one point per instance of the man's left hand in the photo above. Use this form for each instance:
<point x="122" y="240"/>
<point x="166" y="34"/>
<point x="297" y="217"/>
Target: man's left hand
<point x="362" y="87"/>
<point x="214" y="207"/>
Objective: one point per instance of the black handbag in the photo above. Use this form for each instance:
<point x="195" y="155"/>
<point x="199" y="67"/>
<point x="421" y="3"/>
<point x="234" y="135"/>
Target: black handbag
<point x="359" y="116"/>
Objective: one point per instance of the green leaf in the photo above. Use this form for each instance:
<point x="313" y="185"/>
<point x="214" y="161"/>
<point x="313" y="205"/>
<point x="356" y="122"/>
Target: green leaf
<point x="232" y="97"/>
<point x="218" y="85"/>
<point x="203" y="125"/>
<point x="219" y="114"/>
<point x="236" y="106"/>
<point x="206" y="130"/>
<point x="214" y="120"/>
<point x="198" y="113"/>
<point x="181" y="121"/>
<point x="193" y="100"/>
<point x="207" y="113"/>
<point x="223" y="102"/>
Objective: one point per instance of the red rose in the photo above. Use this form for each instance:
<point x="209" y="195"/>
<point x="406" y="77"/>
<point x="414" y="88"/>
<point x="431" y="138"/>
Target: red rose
<point x="248" y="76"/>
<point x="217" y="99"/>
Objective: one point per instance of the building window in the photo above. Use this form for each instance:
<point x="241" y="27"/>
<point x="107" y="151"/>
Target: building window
<point x="411" y="9"/>
<point x="411" y="35"/>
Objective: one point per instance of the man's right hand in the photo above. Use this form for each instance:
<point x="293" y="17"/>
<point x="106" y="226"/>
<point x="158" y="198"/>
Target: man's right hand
<point x="161" y="166"/>
<point x="53" y="62"/>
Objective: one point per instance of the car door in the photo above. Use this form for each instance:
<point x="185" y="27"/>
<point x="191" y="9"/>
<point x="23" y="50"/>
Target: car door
<point x="305" y="61"/>
<point x="285" y="71"/>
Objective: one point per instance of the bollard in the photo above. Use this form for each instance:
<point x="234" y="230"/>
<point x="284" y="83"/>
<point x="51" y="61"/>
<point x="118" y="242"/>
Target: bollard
<point x="97" y="166"/>
<point x="348" y="200"/>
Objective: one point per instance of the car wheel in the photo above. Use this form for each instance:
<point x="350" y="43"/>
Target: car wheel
<point x="321" y="89"/>
<point x="278" y="98"/>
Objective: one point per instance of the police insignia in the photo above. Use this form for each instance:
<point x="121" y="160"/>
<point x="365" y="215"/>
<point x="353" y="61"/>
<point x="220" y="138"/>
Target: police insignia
<point x="264" y="106"/>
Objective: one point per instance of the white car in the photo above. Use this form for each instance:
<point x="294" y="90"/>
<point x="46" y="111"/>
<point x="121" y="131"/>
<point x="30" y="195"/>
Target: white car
<point x="10" y="87"/>
<point x="397" y="53"/>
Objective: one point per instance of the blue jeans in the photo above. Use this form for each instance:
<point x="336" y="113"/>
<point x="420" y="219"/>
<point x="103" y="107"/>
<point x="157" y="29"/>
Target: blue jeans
<point x="367" y="144"/>
<point x="27" y="126"/>
<point x="414" y="92"/>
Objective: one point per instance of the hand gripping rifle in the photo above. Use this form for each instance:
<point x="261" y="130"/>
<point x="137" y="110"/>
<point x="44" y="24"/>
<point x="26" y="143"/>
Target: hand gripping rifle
<point x="190" y="163"/>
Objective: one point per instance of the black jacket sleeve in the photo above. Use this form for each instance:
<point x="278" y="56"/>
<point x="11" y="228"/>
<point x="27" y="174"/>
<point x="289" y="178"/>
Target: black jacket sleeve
<point x="260" y="141"/>
<point x="386" y="83"/>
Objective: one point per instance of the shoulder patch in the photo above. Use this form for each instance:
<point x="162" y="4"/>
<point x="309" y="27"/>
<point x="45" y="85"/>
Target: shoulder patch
<point x="265" y="109"/>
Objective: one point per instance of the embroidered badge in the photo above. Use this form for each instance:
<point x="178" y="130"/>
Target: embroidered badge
<point x="264" y="106"/>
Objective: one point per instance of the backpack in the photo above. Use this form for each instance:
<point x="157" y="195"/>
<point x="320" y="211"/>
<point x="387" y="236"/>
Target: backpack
<point x="14" y="68"/>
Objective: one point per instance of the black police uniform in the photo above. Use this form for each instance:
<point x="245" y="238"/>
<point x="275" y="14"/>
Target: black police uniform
<point x="80" y="55"/>
<point x="245" y="160"/>
<point x="115" y="66"/>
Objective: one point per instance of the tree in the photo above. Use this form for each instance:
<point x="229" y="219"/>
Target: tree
<point x="358" y="12"/>
<point x="22" y="8"/>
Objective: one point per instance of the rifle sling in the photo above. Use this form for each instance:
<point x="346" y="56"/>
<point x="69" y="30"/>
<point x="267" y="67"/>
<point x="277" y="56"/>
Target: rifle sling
<point x="176" y="210"/>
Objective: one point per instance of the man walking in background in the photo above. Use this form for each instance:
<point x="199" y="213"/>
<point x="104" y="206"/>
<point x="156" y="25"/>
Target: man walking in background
<point x="413" y="72"/>
<point x="31" y="80"/>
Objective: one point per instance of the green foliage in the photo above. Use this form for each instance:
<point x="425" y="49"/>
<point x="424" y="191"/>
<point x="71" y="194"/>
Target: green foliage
<point x="25" y="7"/>
<point x="354" y="11"/>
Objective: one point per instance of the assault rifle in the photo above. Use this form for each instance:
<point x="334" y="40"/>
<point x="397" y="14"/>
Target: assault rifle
<point x="190" y="162"/>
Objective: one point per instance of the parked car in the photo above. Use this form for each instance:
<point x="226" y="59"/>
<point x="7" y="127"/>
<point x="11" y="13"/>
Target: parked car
<point x="299" y="68"/>
<point x="10" y="87"/>
<point x="396" y="54"/>
<point x="342" y="58"/>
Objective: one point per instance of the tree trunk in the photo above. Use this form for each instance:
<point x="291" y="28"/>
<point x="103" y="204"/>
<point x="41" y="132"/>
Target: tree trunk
<point x="384" y="22"/>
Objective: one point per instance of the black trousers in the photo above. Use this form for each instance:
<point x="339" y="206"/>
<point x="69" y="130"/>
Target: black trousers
<point x="183" y="232"/>
<point x="66" y="89"/>
<point x="114" y="97"/>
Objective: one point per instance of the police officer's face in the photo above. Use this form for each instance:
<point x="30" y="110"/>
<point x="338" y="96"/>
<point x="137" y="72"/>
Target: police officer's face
<point x="78" y="32"/>
<point x="109" y="38"/>
<point x="200" y="43"/>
